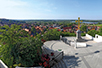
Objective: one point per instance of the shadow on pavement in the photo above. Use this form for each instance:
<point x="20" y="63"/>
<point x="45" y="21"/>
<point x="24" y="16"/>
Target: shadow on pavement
<point x="71" y="61"/>
<point x="89" y="46"/>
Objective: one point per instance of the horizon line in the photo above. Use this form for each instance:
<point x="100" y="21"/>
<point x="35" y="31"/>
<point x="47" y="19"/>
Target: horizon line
<point x="48" y="19"/>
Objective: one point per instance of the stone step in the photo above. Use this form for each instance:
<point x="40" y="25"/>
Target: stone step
<point x="60" y="64"/>
<point x="56" y="66"/>
<point x="64" y="64"/>
<point x="53" y="67"/>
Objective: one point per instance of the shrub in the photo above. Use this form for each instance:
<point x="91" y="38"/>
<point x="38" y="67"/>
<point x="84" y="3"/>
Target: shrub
<point x="19" y="50"/>
<point x="9" y="37"/>
<point x="67" y="34"/>
<point x="72" y="34"/>
<point x="27" y="52"/>
<point x="83" y="34"/>
<point x="64" y="34"/>
<point x="93" y="32"/>
<point x="51" y="35"/>
<point x="100" y="33"/>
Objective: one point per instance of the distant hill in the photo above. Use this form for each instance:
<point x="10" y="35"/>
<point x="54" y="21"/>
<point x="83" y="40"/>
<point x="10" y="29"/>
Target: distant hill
<point x="3" y="21"/>
<point x="8" y="21"/>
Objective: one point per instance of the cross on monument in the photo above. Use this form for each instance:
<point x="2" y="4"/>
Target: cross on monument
<point x="78" y="32"/>
<point x="78" y="22"/>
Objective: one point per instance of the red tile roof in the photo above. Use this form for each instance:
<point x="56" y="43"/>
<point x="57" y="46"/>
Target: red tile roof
<point x="44" y="26"/>
<point x="52" y="28"/>
<point x="67" y="28"/>
<point x="64" y="30"/>
<point x="99" y="26"/>
<point x="38" y="28"/>
<point x="59" y="29"/>
<point x="93" y="29"/>
<point x="31" y="35"/>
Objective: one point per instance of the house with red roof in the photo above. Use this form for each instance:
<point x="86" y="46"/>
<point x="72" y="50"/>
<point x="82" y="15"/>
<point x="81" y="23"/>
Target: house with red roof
<point x="59" y="29"/>
<point x="93" y="29"/>
<point x="98" y="27"/>
<point x="38" y="28"/>
<point x="64" y="30"/>
<point x="52" y="28"/>
<point x="89" y="27"/>
<point x="67" y="28"/>
<point x="44" y="27"/>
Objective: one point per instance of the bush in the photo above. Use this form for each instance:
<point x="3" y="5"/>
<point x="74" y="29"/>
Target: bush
<point x="51" y="35"/>
<point x="9" y="37"/>
<point x="83" y="34"/>
<point x="93" y="32"/>
<point x="100" y="33"/>
<point x="100" y="30"/>
<point x="72" y="34"/>
<point x="83" y="28"/>
<point x="16" y="49"/>
<point x="64" y="34"/>
<point x="27" y="52"/>
<point x="67" y="34"/>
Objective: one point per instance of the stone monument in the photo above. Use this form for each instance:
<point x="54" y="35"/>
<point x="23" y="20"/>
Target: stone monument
<point x="78" y="32"/>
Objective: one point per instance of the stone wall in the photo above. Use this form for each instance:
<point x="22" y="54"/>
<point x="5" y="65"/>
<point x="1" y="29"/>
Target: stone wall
<point x="89" y="36"/>
<point x="98" y="38"/>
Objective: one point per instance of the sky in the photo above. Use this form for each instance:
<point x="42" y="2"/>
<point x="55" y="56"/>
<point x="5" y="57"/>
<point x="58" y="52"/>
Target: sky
<point x="51" y="9"/>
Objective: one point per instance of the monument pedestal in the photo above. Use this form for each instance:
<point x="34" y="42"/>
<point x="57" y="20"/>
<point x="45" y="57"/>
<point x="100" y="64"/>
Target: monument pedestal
<point x="78" y="36"/>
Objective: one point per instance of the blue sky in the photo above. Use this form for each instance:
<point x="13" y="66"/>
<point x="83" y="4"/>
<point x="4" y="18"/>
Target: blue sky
<point x="51" y="9"/>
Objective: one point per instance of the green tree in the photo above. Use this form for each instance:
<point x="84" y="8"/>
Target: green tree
<point x="52" y="35"/>
<point x="26" y="50"/>
<point x="100" y="31"/>
<point x="67" y="34"/>
<point x="33" y="30"/>
<point x="92" y="32"/>
<point x="9" y="38"/>
<point x="69" y="24"/>
<point x="83" y="28"/>
<point x="99" y="23"/>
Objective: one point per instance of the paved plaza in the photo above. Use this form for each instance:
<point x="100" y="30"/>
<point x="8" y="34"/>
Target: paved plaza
<point x="87" y="57"/>
<point x="84" y="57"/>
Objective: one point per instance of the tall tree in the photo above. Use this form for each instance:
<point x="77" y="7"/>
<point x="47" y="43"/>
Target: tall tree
<point x="51" y="35"/>
<point x="9" y="37"/>
<point x="83" y="28"/>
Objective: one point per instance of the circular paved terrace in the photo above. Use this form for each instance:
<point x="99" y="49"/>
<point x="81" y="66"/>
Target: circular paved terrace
<point x="87" y="57"/>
